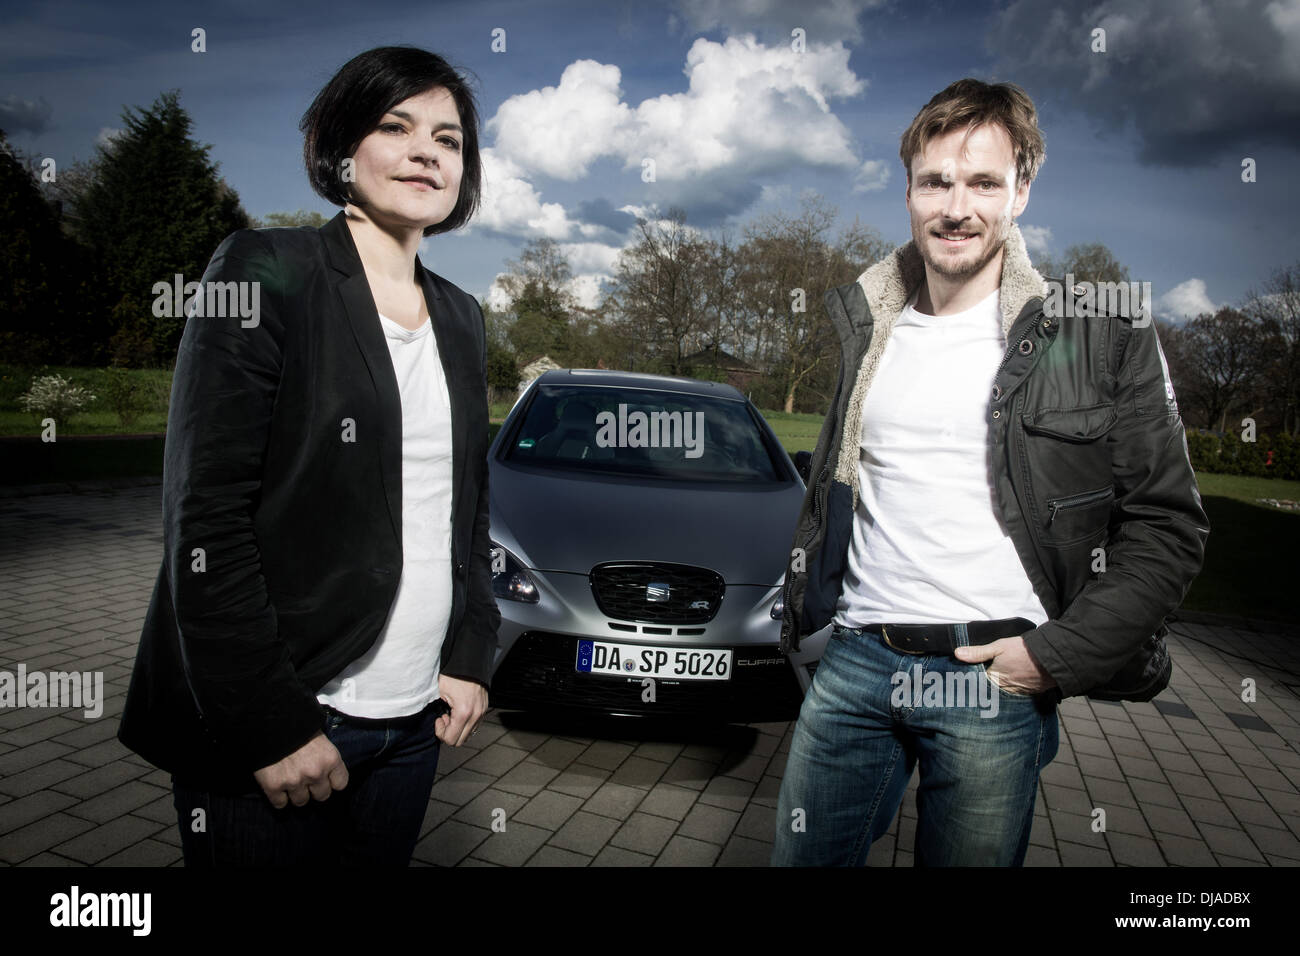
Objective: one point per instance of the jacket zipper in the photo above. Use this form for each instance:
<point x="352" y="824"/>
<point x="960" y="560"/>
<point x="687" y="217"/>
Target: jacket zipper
<point x="1074" y="501"/>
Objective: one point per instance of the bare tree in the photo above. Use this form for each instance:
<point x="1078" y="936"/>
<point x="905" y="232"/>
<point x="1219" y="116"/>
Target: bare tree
<point x="1276" y="306"/>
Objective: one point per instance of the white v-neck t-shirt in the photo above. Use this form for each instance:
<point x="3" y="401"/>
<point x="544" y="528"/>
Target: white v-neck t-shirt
<point x="398" y="676"/>
<point x="928" y="546"/>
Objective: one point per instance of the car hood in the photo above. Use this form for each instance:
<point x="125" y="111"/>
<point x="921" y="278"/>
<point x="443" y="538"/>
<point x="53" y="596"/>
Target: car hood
<point x="565" y="522"/>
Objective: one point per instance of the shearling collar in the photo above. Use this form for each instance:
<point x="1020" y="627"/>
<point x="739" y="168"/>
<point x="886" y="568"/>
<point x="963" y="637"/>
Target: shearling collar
<point x="888" y="285"/>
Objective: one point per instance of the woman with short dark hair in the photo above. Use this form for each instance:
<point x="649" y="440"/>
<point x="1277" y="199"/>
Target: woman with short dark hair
<point x="324" y="616"/>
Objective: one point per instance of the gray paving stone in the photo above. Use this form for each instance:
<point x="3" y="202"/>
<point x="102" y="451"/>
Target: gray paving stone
<point x="606" y="754"/>
<point x="664" y="752"/>
<point x="435" y="813"/>
<point x="617" y="856"/>
<point x="461" y="786"/>
<point x="555" y="856"/>
<point x="41" y="777"/>
<point x="513" y="846"/>
<point x="1130" y="850"/>
<point x="1076" y="854"/>
<point x="1230" y="841"/>
<point x="556" y="753"/>
<point x="109" y="838"/>
<point x="639" y="772"/>
<point x="727" y="792"/>
<point x="88" y="783"/>
<point x="689" y="773"/>
<point x="1041" y="856"/>
<point x="1169" y="820"/>
<point x="665" y="800"/>
<point x="579" y="781"/>
<point x="615" y="800"/>
<point x="495" y="759"/>
<point x="549" y="809"/>
<point x="585" y="833"/>
<point x="41" y="835"/>
<point x="145" y="853"/>
<point x="757" y="823"/>
<point x="450" y="843"/>
<point x="644" y="833"/>
<point x="116" y="802"/>
<point x="527" y="778"/>
<point x="709" y="824"/>
<point x="1209" y="811"/>
<point x="490" y="806"/>
<point x="683" y="851"/>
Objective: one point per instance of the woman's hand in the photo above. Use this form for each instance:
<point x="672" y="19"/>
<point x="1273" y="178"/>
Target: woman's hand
<point x="468" y="701"/>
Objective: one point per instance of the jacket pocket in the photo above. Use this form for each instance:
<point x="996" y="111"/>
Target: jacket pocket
<point x="1068" y="462"/>
<point x="1077" y="425"/>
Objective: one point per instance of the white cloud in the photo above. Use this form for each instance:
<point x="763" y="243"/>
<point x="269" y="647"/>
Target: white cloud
<point x="587" y="290"/>
<point x="560" y="130"/>
<point x="871" y="176"/>
<point x="1037" y="239"/>
<point x="749" y="110"/>
<point x="1185" y="301"/>
<point x="513" y="206"/>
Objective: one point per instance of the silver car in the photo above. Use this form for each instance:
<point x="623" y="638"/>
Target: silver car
<point x="641" y="527"/>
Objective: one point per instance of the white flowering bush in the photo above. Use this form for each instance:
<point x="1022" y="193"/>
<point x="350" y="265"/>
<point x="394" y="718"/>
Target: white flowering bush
<point x="53" y="396"/>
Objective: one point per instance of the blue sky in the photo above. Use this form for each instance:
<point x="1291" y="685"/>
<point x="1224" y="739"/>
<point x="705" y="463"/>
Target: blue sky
<point x="1144" y="141"/>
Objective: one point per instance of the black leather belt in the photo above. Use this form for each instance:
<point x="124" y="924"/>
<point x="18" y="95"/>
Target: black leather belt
<point x="942" y="638"/>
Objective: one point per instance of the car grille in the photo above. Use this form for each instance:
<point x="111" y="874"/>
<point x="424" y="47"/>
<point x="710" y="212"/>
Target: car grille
<point x="657" y="593"/>
<point x="539" y="674"/>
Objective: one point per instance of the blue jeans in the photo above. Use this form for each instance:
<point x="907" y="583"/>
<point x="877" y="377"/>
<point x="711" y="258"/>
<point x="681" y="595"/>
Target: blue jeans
<point x="862" y="730"/>
<point x="374" y="821"/>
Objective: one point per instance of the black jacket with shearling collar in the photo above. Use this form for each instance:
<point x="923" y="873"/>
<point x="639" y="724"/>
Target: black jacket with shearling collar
<point x="1089" y="462"/>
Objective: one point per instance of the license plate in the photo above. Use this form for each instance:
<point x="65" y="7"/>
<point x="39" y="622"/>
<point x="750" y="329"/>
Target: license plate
<point x="640" y="660"/>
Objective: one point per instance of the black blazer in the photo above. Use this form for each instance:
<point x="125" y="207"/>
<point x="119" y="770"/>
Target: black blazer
<point x="283" y="464"/>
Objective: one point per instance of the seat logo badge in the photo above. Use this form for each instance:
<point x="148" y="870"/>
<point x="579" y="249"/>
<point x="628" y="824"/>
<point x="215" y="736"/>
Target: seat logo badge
<point x="656" y="592"/>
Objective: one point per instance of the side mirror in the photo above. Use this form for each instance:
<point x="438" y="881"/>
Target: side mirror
<point x="803" y="465"/>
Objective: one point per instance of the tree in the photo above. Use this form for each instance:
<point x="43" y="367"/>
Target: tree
<point x="48" y="291"/>
<point x="1223" y="357"/>
<point x="154" y="206"/>
<point x="786" y="265"/>
<point x="662" y="290"/>
<point x="537" y="286"/>
<point x="1091" y="262"/>
<point x="1276" y="306"/>
<point x="300" y="218"/>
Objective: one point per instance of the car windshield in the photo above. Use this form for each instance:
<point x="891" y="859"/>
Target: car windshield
<point x="640" y="432"/>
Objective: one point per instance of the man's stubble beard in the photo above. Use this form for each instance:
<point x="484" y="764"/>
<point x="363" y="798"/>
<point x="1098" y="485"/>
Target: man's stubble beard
<point x="1003" y="233"/>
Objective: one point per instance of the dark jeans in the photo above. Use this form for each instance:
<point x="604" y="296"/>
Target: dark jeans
<point x="374" y="821"/>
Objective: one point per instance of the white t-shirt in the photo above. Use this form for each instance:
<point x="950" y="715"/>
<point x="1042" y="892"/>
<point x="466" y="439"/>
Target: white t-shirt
<point x="928" y="546"/>
<point x="398" y="676"/>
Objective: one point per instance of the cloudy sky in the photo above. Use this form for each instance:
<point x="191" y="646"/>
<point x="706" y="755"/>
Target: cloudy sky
<point x="1145" y="141"/>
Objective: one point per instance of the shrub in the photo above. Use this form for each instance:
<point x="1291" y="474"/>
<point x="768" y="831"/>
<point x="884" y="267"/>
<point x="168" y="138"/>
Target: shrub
<point x="124" y="395"/>
<point x="53" y="396"/>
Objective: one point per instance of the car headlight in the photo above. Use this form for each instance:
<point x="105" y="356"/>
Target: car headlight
<point x="510" y="579"/>
<point x="778" y="606"/>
